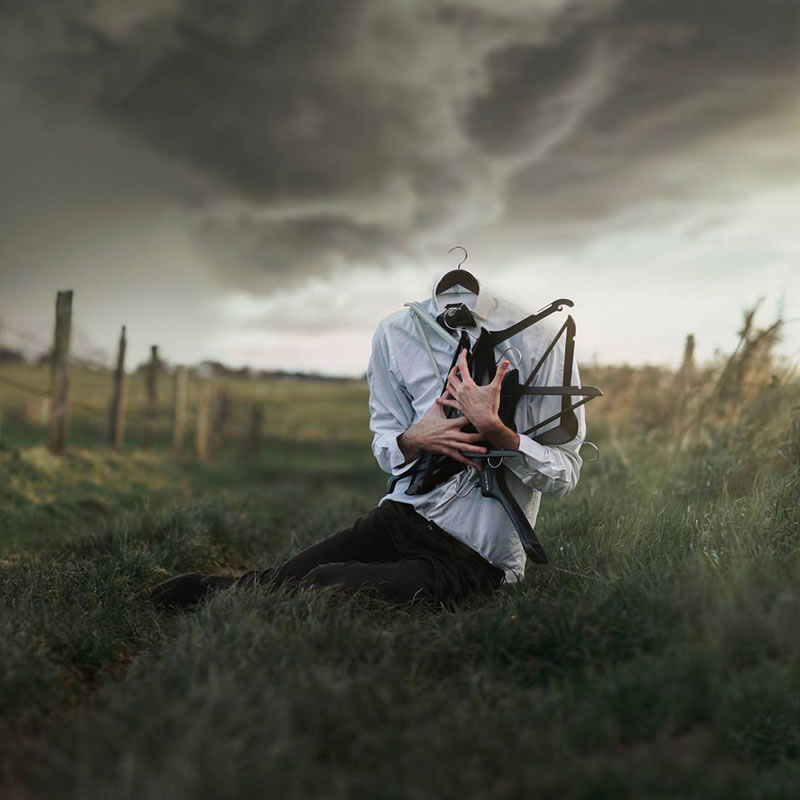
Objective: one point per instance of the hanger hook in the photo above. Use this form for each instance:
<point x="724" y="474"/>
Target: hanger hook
<point x="466" y="255"/>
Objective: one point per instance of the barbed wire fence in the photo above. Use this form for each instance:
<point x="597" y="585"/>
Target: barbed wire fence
<point x="192" y="398"/>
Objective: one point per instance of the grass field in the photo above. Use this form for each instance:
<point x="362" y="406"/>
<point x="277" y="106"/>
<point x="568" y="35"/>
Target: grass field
<point x="658" y="657"/>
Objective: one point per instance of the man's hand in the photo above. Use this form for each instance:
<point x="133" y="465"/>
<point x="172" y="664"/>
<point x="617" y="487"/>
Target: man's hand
<point x="479" y="404"/>
<point x="440" y="434"/>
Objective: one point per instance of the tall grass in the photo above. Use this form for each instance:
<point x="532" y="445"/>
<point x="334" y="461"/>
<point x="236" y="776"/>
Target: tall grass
<point x="750" y="390"/>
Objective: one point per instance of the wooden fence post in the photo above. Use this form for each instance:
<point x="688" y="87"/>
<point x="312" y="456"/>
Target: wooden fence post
<point x="203" y="420"/>
<point x="59" y="374"/>
<point x="687" y="365"/>
<point x="44" y="412"/>
<point x="222" y="413"/>
<point x="117" y="415"/>
<point x="151" y="389"/>
<point x="179" y="409"/>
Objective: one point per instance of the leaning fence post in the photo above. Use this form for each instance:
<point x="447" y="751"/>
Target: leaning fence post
<point x="179" y="409"/>
<point x="151" y="389"/>
<point x="59" y="374"/>
<point x="687" y="364"/>
<point x="117" y="414"/>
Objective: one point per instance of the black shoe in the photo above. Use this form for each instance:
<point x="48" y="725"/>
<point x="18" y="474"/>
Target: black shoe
<point x="184" y="591"/>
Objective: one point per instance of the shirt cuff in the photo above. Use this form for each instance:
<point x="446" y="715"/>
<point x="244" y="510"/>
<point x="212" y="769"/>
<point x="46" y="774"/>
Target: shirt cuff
<point x="537" y="453"/>
<point x="397" y="461"/>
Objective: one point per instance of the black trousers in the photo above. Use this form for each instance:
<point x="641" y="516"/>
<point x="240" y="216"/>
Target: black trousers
<point x="395" y="551"/>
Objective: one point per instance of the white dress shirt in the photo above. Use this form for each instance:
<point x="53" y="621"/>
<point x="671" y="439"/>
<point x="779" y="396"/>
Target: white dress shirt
<point x="403" y="387"/>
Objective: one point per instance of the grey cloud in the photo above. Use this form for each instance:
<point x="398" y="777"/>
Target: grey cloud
<point x="702" y="113"/>
<point x="365" y="133"/>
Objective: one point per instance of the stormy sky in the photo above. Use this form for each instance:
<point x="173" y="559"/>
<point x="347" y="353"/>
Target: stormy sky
<point x="261" y="181"/>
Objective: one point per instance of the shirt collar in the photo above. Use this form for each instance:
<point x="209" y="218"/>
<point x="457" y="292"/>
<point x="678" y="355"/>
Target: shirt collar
<point x="480" y="305"/>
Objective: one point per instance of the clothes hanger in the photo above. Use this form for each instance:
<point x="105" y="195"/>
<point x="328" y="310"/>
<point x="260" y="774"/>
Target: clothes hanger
<point x="458" y="276"/>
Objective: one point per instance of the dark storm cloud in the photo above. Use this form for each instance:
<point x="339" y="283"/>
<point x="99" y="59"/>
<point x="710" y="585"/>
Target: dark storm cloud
<point x="701" y="101"/>
<point x="356" y="132"/>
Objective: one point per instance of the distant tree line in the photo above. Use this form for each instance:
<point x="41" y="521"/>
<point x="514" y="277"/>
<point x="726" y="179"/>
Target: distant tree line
<point x="10" y="356"/>
<point x="208" y="367"/>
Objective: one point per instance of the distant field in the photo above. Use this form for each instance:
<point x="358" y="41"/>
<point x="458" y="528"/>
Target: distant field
<point x="657" y="657"/>
<point x="299" y="409"/>
<point x="296" y="408"/>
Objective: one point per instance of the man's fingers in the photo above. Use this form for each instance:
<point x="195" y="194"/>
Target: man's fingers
<point x="501" y="372"/>
<point x="456" y="440"/>
<point x="446" y="401"/>
<point x="473" y="448"/>
<point x="457" y="423"/>
<point x="464" y="368"/>
<point x="463" y="459"/>
<point x="468" y="437"/>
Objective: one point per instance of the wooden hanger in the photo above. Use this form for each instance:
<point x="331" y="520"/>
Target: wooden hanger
<point x="458" y="276"/>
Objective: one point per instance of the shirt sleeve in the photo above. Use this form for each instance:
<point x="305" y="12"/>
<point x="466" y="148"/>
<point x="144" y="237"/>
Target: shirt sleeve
<point x="390" y="408"/>
<point x="549" y="468"/>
